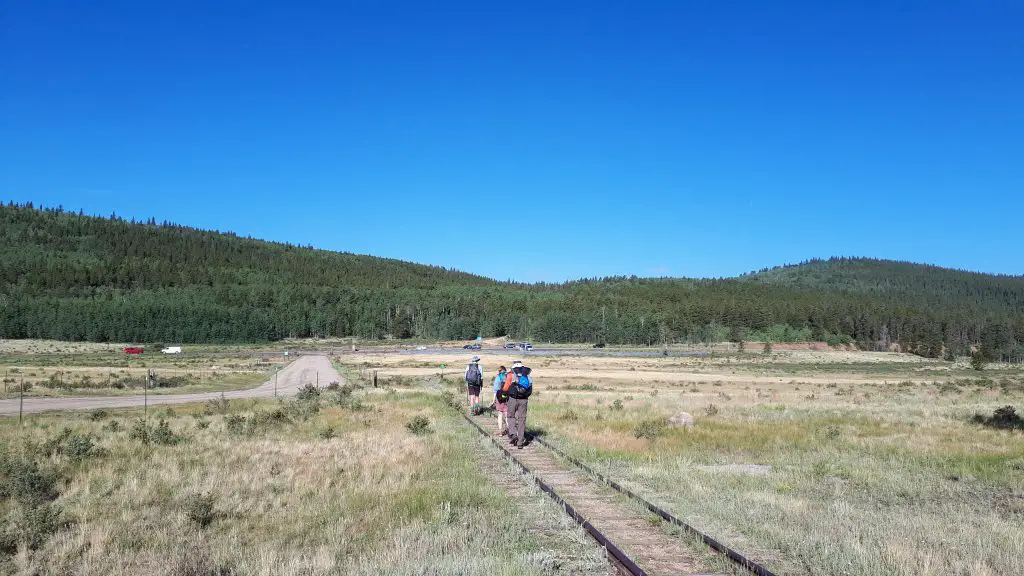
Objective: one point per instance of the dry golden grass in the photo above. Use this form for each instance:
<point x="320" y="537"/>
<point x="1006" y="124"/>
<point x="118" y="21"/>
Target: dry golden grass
<point x="866" y="467"/>
<point x="287" y="498"/>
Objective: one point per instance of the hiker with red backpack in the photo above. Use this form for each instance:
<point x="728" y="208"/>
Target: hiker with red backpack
<point x="474" y="380"/>
<point x="518" y="387"/>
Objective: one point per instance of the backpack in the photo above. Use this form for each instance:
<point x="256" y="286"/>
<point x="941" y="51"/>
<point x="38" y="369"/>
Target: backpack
<point x="520" y="388"/>
<point x="473" y="375"/>
<point x="510" y="379"/>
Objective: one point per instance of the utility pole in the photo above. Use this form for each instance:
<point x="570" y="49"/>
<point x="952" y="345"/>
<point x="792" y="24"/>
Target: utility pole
<point x="145" y="396"/>
<point x="21" y="402"/>
<point x="275" y="383"/>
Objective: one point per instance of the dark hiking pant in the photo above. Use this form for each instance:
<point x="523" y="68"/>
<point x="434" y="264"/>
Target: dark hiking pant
<point x="517" y="418"/>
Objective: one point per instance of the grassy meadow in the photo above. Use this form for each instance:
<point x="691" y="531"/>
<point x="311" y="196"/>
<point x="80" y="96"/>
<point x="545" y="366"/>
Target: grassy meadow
<point x="109" y="372"/>
<point x="332" y="483"/>
<point x="833" y="465"/>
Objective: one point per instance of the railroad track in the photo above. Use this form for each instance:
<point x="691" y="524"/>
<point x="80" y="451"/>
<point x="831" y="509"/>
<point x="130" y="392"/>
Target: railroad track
<point x="615" y="527"/>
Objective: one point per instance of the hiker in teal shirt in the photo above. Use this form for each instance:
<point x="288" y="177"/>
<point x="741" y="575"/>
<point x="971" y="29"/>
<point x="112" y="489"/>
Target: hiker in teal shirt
<point x="500" y="405"/>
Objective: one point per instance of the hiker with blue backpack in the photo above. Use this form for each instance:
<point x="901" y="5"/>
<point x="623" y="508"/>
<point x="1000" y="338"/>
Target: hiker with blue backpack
<point x="518" y="387"/>
<point x="474" y="380"/>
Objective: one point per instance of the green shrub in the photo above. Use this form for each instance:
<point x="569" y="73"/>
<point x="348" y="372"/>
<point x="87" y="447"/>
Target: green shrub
<point x="304" y="408"/>
<point x="23" y="480"/>
<point x="200" y="509"/>
<point x="327" y="433"/>
<point x="449" y="400"/>
<point x="569" y="416"/>
<point x="139" y="431"/>
<point x="419" y="425"/>
<point x="217" y="406"/>
<point x="1005" y="418"/>
<point x="308" y="392"/>
<point x="710" y="410"/>
<point x="98" y="415"/>
<point x="650" y="429"/>
<point x="617" y="405"/>
<point x="30" y="526"/>
<point x="163" y="435"/>
<point x="111" y="426"/>
<point x="235" y="423"/>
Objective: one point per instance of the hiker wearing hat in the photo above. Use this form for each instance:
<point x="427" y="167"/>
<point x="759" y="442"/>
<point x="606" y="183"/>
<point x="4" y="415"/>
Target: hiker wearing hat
<point x="518" y="385"/>
<point x="474" y="380"/>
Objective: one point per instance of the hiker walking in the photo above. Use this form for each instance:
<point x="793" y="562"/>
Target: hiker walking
<point x="519" y="386"/>
<point x="501" y="401"/>
<point x="474" y="380"/>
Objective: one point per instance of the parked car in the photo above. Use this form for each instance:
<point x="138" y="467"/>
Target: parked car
<point x="471" y="347"/>
<point x="171" y="350"/>
<point x="133" y="350"/>
<point x="511" y="346"/>
<point x="525" y="346"/>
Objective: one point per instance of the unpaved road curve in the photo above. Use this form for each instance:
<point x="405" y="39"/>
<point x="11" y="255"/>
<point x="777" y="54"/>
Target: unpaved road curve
<point x="302" y="371"/>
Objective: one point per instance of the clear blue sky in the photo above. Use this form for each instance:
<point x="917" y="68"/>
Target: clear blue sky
<point x="534" y="140"/>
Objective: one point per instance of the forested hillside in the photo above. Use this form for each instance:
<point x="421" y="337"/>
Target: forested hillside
<point x="74" y="277"/>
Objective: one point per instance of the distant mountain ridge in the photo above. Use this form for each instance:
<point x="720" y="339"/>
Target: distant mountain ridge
<point x="903" y="280"/>
<point x="75" y="277"/>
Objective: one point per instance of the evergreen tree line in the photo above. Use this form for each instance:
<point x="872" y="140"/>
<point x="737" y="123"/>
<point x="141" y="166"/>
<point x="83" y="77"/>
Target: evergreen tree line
<point x="74" y="277"/>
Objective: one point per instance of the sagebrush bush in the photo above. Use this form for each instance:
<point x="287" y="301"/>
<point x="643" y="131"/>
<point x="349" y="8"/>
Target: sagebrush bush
<point x="23" y="480"/>
<point x="308" y="392"/>
<point x="569" y="416"/>
<point x="98" y="415"/>
<point x="159" y="434"/>
<point x="418" y="425"/>
<point x="163" y="435"/>
<point x="327" y="433"/>
<point x="449" y="400"/>
<point x="200" y="509"/>
<point x="650" y="429"/>
<point x="217" y="406"/>
<point x="234" y="423"/>
<point x="30" y="526"/>
<point x="1005" y="418"/>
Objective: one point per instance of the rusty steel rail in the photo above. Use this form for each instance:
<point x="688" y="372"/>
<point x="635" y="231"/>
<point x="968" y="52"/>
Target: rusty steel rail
<point x="733" y="555"/>
<point x="622" y="561"/>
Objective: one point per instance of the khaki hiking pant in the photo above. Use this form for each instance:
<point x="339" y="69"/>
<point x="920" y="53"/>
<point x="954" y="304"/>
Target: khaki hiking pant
<point x="517" y="418"/>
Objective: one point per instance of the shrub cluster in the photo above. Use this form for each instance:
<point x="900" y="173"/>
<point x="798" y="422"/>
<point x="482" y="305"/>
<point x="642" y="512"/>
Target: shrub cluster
<point x="419" y="425"/>
<point x="160" y="434"/>
<point x="1005" y="418"/>
<point x="650" y="429"/>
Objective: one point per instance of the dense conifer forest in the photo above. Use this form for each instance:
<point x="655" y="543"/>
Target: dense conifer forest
<point x="70" y="276"/>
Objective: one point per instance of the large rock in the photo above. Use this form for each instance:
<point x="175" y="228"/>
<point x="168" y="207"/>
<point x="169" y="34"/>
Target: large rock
<point x="682" y="419"/>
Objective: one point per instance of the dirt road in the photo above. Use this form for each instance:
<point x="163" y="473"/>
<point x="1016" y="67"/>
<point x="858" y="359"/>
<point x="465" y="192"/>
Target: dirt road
<point x="302" y="371"/>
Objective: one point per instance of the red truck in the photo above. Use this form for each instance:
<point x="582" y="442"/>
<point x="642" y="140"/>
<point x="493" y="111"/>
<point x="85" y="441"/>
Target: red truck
<point x="133" y="350"/>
